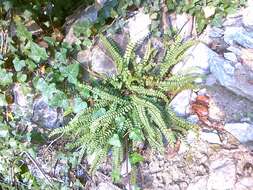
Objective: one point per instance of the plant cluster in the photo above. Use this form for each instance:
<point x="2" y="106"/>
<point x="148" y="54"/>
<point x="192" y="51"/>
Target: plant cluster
<point x="131" y="106"/>
<point x="205" y="11"/>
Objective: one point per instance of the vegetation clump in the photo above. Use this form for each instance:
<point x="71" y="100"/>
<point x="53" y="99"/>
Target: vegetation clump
<point x="131" y="106"/>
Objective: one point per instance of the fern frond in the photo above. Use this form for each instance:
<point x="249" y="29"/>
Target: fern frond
<point x="128" y="53"/>
<point x="117" y="157"/>
<point x="109" y="116"/>
<point x="157" y="118"/>
<point x="100" y="156"/>
<point x="174" y="55"/>
<point x="176" y="82"/>
<point x="114" y="52"/>
<point x="149" y="92"/>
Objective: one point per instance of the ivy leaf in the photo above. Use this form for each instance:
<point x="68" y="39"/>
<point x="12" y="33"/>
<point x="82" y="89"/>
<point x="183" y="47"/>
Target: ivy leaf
<point x="71" y="72"/>
<point x="136" y="158"/>
<point x="3" y="101"/>
<point x="46" y="89"/>
<point x="37" y="53"/>
<point x="115" y="141"/>
<point x="18" y="64"/>
<point x="79" y="105"/>
<point x="135" y="135"/>
<point x="6" y="77"/>
<point x="21" y="77"/>
<point x="59" y="99"/>
<point x="22" y="32"/>
<point x="4" y="132"/>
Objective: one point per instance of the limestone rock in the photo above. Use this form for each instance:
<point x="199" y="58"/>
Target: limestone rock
<point x="242" y="131"/>
<point x="45" y="116"/>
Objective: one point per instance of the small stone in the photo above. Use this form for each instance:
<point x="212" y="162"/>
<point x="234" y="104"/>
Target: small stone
<point x="202" y="92"/>
<point x="242" y="131"/>
<point x="191" y="137"/>
<point x="106" y="186"/>
<point x="238" y="35"/>
<point x="235" y="50"/>
<point x="194" y="119"/>
<point x="199" y="185"/>
<point x="211" y="138"/>
<point x="248" y="18"/>
<point x="197" y="60"/>
<point x="125" y="168"/>
<point x="222" y="171"/>
<point x="138" y="26"/>
<point x="181" y="103"/>
<point x="45" y="116"/>
<point x="230" y="56"/>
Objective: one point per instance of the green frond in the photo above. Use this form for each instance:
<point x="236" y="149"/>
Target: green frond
<point x="148" y="54"/>
<point x="117" y="157"/>
<point x="100" y="156"/>
<point x="156" y="117"/>
<point x="174" y="55"/>
<point x="114" y="52"/>
<point x="176" y="82"/>
<point x="128" y="53"/>
<point x="149" y="92"/>
<point x="109" y="116"/>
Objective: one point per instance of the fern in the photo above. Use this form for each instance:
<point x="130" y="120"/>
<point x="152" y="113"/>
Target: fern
<point x="133" y="100"/>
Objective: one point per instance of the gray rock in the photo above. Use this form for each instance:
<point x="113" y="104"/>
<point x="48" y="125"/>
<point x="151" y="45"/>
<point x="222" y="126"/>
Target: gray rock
<point x="230" y="56"/>
<point x="181" y="103"/>
<point x="101" y="63"/>
<point x="138" y="26"/>
<point x="245" y="183"/>
<point x="197" y="60"/>
<point x="81" y="14"/>
<point x="199" y="185"/>
<point x="211" y="138"/>
<point x="222" y="175"/>
<point x="194" y="119"/>
<point x="242" y="131"/>
<point x="237" y="51"/>
<point x="248" y="18"/>
<point x="45" y="116"/>
<point x="125" y="167"/>
<point x="234" y="77"/>
<point x="106" y="186"/>
<point x="238" y="35"/>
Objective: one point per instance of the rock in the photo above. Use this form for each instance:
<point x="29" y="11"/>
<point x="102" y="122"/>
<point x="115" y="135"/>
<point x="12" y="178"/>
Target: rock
<point x="199" y="185"/>
<point x="238" y="35"/>
<point x="45" y="116"/>
<point x="210" y="137"/>
<point x="242" y="131"/>
<point x="247" y="18"/>
<point x="194" y="119"/>
<point x="101" y="63"/>
<point x="234" y="77"/>
<point x="235" y="50"/>
<point x="245" y="183"/>
<point x="230" y="56"/>
<point x="181" y="103"/>
<point x="222" y="175"/>
<point x="210" y="80"/>
<point x="106" y="186"/>
<point x="125" y="168"/>
<point x="197" y="60"/>
<point x="81" y="14"/>
<point x="138" y="26"/>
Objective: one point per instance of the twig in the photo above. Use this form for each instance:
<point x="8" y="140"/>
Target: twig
<point x="37" y="166"/>
<point x="52" y="143"/>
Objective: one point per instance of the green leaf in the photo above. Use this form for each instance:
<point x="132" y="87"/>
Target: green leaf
<point x="18" y="64"/>
<point x="82" y="28"/>
<point x="59" y="99"/>
<point x="22" y="32"/>
<point x="6" y="77"/>
<point x="46" y="89"/>
<point x="115" y="141"/>
<point x="37" y="53"/>
<point x="79" y="105"/>
<point x="3" y="101"/>
<point x="4" y="132"/>
<point x="135" y="135"/>
<point x="71" y="72"/>
<point x="136" y="158"/>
